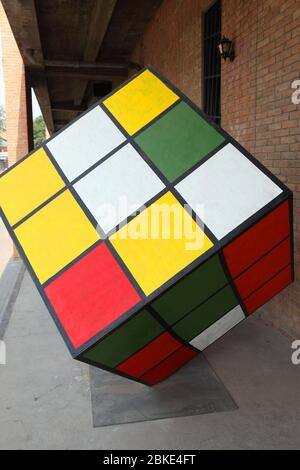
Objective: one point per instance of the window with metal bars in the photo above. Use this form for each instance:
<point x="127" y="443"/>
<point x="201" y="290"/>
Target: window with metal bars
<point x="212" y="62"/>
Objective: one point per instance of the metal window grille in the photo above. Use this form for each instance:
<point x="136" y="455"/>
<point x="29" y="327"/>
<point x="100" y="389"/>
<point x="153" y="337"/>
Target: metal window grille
<point x="212" y="62"/>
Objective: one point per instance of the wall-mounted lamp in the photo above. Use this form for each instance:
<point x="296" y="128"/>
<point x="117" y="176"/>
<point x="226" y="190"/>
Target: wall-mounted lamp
<point x="226" y="49"/>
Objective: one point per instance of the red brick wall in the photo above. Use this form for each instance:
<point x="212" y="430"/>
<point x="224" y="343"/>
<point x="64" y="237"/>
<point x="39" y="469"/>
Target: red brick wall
<point x="262" y="75"/>
<point x="256" y="92"/>
<point x="239" y="78"/>
<point x="15" y="93"/>
<point x="172" y="44"/>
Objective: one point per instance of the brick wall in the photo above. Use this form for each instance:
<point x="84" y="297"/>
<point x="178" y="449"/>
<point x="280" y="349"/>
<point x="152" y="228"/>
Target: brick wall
<point x="172" y="44"/>
<point x="15" y="93"/>
<point x="263" y="77"/>
<point x="256" y="92"/>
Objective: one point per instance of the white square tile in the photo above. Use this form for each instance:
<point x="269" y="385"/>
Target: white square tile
<point x="227" y="190"/>
<point x="85" y="142"/>
<point x="118" y="187"/>
<point x="219" y="328"/>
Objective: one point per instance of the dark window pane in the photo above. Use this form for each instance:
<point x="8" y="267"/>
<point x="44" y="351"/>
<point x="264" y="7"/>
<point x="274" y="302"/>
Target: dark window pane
<point x="212" y="62"/>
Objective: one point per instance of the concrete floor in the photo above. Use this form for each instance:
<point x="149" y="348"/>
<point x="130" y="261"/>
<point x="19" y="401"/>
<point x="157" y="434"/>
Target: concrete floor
<point x="45" y="397"/>
<point x="6" y="247"/>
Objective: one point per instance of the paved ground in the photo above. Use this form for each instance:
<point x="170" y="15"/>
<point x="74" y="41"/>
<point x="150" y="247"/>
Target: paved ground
<point x="6" y="247"/>
<point x="45" y="397"/>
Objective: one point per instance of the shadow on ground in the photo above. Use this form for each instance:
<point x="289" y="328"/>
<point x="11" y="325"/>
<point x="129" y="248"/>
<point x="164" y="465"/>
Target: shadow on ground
<point x="45" y="400"/>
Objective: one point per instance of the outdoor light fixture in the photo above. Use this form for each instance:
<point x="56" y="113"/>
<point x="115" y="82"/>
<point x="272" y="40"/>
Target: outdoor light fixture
<point x="226" y="49"/>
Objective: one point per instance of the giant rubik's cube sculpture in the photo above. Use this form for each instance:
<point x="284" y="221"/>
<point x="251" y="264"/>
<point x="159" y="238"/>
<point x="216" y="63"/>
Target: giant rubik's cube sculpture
<point x="149" y="232"/>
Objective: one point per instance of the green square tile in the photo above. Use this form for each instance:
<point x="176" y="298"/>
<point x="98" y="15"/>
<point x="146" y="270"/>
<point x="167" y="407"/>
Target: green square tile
<point x="178" y="140"/>
<point x="206" y="314"/>
<point x="126" y="340"/>
<point x="191" y="291"/>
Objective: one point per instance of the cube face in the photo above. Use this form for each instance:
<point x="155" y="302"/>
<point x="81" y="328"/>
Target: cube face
<point x="140" y="348"/>
<point x="142" y="100"/>
<point x="47" y="237"/>
<point x="169" y="365"/>
<point x="253" y="244"/>
<point x="227" y="190"/>
<point x="218" y="328"/>
<point x="260" y="259"/>
<point x="192" y="291"/>
<point x="207" y="313"/>
<point x="149" y="232"/>
<point x="127" y="183"/>
<point x="92" y="293"/>
<point x="126" y="340"/>
<point x="31" y="183"/>
<point x="178" y="140"/>
<point x="150" y="356"/>
<point x="85" y="142"/>
<point x="269" y="289"/>
<point x="264" y="269"/>
<point x="155" y="244"/>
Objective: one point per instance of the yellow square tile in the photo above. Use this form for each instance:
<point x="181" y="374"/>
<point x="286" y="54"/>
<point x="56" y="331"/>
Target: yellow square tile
<point x="55" y="235"/>
<point x="28" y="185"/>
<point x="160" y="242"/>
<point x="140" y="101"/>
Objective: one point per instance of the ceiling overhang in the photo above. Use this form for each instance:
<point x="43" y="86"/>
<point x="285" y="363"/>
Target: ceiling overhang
<point x="69" y="47"/>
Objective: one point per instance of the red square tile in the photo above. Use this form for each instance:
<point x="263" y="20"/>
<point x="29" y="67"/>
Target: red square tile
<point x="268" y="290"/>
<point x="90" y="295"/>
<point x="257" y="240"/>
<point x="264" y="269"/>
<point x="169" y="366"/>
<point x="150" y="355"/>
